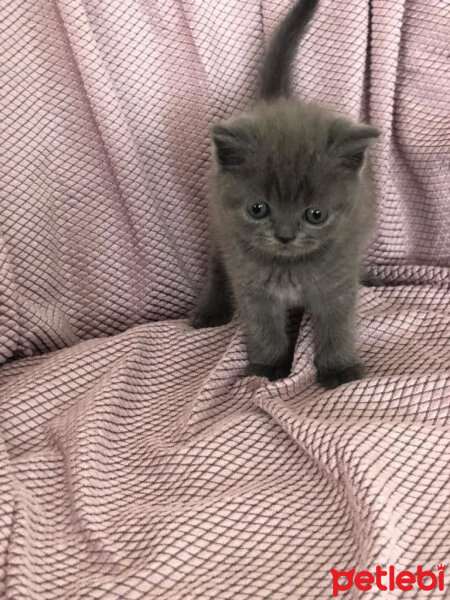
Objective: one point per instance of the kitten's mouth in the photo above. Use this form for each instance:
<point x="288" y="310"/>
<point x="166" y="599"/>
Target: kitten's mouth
<point x="286" y="250"/>
<point x="290" y="251"/>
<point x="293" y="250"/>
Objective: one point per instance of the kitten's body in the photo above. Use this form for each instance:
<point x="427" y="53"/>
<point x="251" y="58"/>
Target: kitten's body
<point x="288" y="157"/>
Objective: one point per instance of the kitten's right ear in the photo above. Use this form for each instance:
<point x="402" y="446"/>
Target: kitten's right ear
<point x="348" y="143"/>
<point x="233" y="145"/>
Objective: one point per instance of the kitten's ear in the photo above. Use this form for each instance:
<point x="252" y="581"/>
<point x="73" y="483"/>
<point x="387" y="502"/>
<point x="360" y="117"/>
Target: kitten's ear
<point x="233" y="145"/>
<point x="349" y="144"/>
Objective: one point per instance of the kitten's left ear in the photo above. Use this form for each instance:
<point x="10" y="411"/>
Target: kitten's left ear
<point x="349" y="144"/>
<point x="233" y="144"/>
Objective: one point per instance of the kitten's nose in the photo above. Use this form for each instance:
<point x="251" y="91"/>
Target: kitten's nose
<point x="285" y="239"/>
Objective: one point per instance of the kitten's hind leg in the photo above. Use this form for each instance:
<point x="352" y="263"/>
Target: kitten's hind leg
<point x="215" y="306"/>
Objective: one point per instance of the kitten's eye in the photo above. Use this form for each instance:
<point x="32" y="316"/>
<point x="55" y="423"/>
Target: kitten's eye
<point x="258" y="210"/>
<point x="315" y="216"/>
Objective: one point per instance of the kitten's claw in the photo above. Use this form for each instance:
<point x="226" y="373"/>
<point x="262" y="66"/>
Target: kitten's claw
<point x="271" y="372"/>
<point x="331" y="378"/>
<point x="200" y="320"/>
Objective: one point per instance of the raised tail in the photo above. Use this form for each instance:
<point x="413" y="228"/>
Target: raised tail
<point x="276" y="69"/>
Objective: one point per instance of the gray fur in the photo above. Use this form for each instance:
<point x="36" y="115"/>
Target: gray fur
<point x="275" y="78"/>
<point x="292" y="156"/>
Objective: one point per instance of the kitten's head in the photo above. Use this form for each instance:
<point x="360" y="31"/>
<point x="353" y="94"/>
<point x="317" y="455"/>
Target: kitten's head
<point x="288" y="177"/>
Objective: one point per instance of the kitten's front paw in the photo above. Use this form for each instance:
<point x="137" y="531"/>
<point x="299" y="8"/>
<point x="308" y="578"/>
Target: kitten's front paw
<point x="369" y="280"/>
<point x="271" y="372"/>
<point x="201" y="319"/>
<point x="331" y="378"/>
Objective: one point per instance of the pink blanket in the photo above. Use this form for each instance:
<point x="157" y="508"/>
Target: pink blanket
<point x="136" y="459"/>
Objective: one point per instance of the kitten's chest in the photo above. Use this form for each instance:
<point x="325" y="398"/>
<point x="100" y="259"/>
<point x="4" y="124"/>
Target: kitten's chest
<point x="284" y="283"/>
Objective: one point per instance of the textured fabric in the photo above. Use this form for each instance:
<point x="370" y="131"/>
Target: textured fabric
<point x="145" y="464"/>
<point x="105" y="111"/>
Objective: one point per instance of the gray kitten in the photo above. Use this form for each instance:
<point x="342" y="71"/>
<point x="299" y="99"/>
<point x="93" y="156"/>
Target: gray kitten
<point x="290" y="212"/>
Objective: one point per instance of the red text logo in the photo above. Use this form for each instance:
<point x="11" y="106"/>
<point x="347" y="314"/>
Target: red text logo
<point x="388" y="580"/>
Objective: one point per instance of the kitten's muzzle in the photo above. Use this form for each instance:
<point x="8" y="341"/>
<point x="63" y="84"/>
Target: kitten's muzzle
<point x="285" y="239"/>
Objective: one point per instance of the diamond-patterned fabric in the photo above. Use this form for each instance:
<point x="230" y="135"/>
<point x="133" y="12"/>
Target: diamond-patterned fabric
<point x="136" y="459"/>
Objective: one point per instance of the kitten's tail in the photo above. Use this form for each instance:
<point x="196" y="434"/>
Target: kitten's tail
<point x="276" y="68"/>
